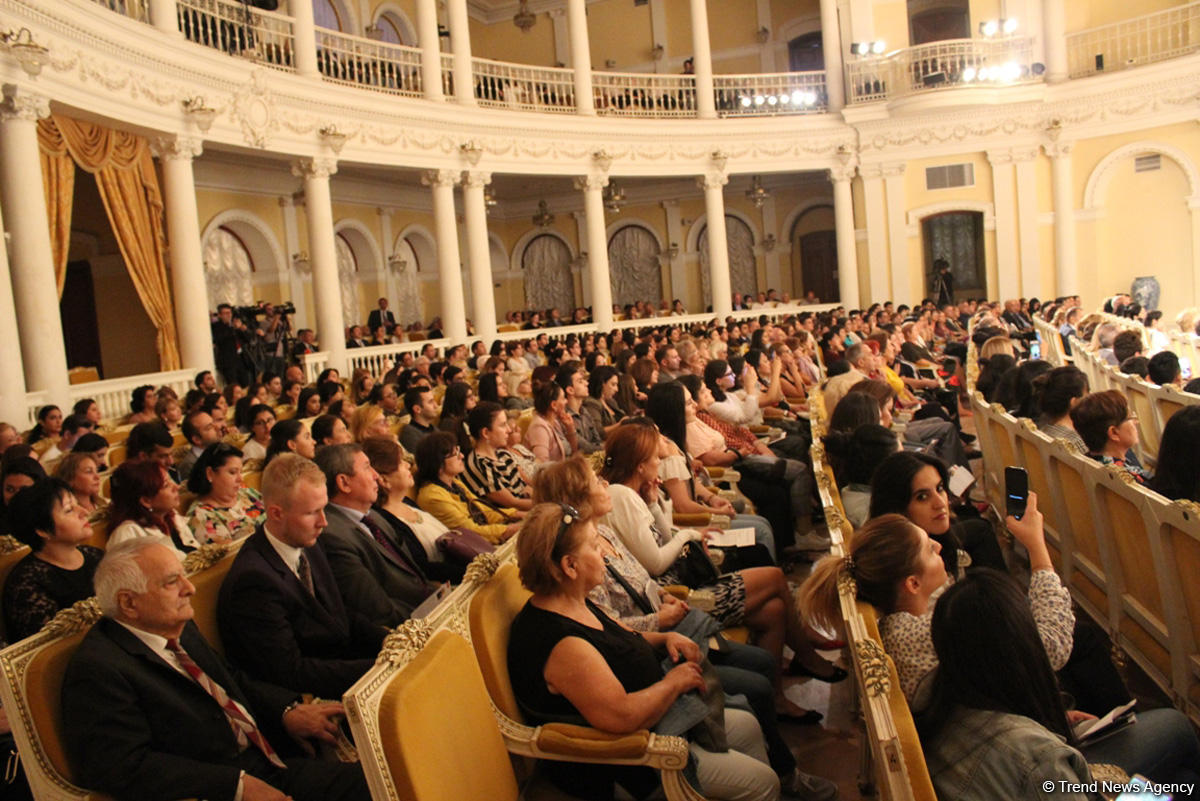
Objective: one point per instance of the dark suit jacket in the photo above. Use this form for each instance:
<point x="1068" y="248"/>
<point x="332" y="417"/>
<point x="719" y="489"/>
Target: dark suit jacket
<point x="375" y="319"/>
<point x="277" y="632"/>
<point x="372" y="580"/>
<point x="139" y="729"/>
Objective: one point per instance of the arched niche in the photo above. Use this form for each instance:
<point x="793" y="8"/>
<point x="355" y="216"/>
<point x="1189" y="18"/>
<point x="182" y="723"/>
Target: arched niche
<point x="415" y="247"/>
<point x="263" y="251"/>
<point x="392" y="20"/>
<point x="546" y="263"/>
<point x="743" y="267"/>
<point x="813" y="249"/>
<point x="633" y="263"/>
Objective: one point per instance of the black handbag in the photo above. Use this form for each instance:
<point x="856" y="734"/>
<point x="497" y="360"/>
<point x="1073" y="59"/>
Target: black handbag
<point x="693" y="568"/>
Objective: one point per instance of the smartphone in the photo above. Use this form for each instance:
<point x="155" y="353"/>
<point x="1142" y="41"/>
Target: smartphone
<point x="1016" y="491"/>
<point x="1185" y="368"/>
<point x="1035" y="349"/>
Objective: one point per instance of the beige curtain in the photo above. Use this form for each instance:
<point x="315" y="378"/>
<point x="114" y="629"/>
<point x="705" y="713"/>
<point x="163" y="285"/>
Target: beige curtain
<point x="128" y="184"/>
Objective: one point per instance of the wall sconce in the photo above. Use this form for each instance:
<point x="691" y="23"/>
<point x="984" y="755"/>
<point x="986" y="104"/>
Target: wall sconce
<point x="667" y="257"/>
<point x="29" y="54"/>
<point x="763" y="35"/>
<point x="602" y="159"/>
<point x="396" y="263"/>
<point x="471" y="152"/>
<point x="333" y="138"/>
<point x="613" y="196"/>
<point x="543" y="218"/>
<point x="769" y="242"/>
<point x="657" y="52"/>
<point x="199" y="113"/>
<point x="374" y="31"/>
<point x="300" y="260"/>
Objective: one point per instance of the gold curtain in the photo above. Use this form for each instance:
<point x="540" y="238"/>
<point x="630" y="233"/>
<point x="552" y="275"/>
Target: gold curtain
<point x="128" y="184"/>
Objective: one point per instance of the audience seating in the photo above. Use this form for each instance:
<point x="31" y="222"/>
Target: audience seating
<point x="99" y="538"/>
<point x="11" y="552"/>
<point x="1052" y="343"/>
<point x="116" y="456"/>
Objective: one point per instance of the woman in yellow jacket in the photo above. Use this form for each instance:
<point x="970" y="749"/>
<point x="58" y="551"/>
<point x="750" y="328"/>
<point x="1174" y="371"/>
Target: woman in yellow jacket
<point x="443" y="495"/>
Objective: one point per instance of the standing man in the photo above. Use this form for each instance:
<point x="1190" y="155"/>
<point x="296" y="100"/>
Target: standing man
<point x="381" y="316"/>
<point x="229" y="339"/>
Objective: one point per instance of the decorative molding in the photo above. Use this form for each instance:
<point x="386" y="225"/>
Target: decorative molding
<point x="842" y="172"/>
<point x="474" y="179"/>
<point x="181" y="147"/>
<point x="277" y="264"/>
<point x="1097" y="183"/>
<point x="593" y="182"/>
<point x="914" y="216"/>
<point x="440" y="178"/>
<point x="1059" y="150"/>
<point x="315" y="167"/>
<point x="21" y="104"/>
<point x="712" y="180"/>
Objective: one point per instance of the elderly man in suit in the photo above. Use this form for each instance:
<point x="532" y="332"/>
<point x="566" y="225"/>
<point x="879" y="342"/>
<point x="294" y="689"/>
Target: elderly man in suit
<point x="376" y="570"/>
<point x="280" y="611"/>
<point x="154" y="713"/>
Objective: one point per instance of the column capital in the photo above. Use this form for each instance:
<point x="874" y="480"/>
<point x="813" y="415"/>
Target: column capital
<point x="593" y="182"/>
<point x="842" y="172"/>
<point x="181" y="147"/>
<point x="21" y="104"/>
<point x="436" y="178"/>
<point x="1000" y="156"/>
<point x="670" y="204"/>
<point x="1058" y="150"/>
<point x="557" y="13"/>
<point x="893" y="169"/>
<point x="1025" y="153"/>
<point x="475" y="179"/>
<point x="712" y="180"/>
<point x="315" y="167"/>
<point x="871" y="172"/>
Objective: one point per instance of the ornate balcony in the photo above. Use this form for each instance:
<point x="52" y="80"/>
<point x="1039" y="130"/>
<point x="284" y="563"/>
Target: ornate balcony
<point x="941" y="65"/>
<point x="1133" y="42"/>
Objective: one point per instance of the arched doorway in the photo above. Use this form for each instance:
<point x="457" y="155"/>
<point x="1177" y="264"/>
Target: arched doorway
<point x="348" y="279"/>
<point x="957" y="237"/>
<point x="228" y="268"/>
<point x="743" y="271"/>
<point x="806" y="53"/>
<point x="814" y="253"/>
<point x="546" y="262"/>
<point x="633" y="266"/>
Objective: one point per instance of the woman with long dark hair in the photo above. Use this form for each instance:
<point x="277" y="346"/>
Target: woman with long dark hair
<point x="1055" y="394"/>
<point x="49" y="425"/>
<point x="1177" y="474"/>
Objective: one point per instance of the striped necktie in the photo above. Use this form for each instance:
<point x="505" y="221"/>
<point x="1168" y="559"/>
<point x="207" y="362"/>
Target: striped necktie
<point x="240" y="720"/>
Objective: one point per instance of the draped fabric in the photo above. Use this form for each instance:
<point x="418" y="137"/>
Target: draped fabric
<point x="347" y="277"/>
<point x="633" y="266"/>
<point x="228" y="270"/>
<point x="743" y="272"/>
<point x="548" y="280"/>
<point x="128" y="184"/>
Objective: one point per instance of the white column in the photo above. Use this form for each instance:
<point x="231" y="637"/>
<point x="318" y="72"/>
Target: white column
<point x="680" y="287"/>
<point x="1065" y="269"/>
<point x="291" y="241"/>
<point x="12" y="372"/>
<point x="460" y="45"/>
<point x="1054" y="31"/>
<point x="479" y="255"/>
<point x="581" y="56"/>
<point x="592" y="187"/>
<point x="847" y="248"/>
<point x="304" y="34"/>
<point x="1194" y="213"/>
<point x="165" y="16"/>
<point x="389" y="275"/>
<point x="322" y="254"/>
<point x="1027" y="221"/>
<point x="1004" y="200"/>
<point x="431" y="49"/>
<point x="713" y="184"/>
<point x="454" y="312"/>
<point x="585" y="272"/>
<point x="766" y="54"/>
<point x="183" y="247"/>
<point x="706" y="106"/>
<point x="35" y="292"/>
<point x="831" y="46"/>
<point x="893" y="180"/>
<point x="877" y="259"/>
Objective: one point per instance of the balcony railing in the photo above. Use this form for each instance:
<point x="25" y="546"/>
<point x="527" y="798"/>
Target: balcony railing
<point x="391" y="68"/>
<point x="626" y="94"/>
<point x="134" y="9"/>
<point x="240" y="30"/>
<point x="517" y="86"/>
<point x="1130" y="43"/>
<point x="941" y="65"/>
<point x="447" y="62"/>
<point x="770" y="94"/>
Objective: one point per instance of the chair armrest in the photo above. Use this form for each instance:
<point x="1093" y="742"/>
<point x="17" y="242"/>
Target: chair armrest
<point x="680" y="591"/>
<point x="758" y="431"/>
<point x="691" y="520"/>
<point x="565" y="740"/>
<point x="715" y="472"/>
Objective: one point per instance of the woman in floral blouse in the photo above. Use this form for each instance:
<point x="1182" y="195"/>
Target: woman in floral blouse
<point x="226" y="509"/>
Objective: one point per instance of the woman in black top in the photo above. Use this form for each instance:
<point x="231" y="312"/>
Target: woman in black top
<point x="59" y="570"/>
<point x="570" y="662"/>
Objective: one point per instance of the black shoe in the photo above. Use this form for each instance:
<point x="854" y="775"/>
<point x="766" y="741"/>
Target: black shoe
<point x="797" y="669"/>
<point x="966" y="438"/>
<point x="810" y="718"/>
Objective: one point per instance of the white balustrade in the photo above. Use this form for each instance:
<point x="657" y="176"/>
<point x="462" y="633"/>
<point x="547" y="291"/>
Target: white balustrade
<point x="358" y="61"/>
<point x="522" y="87"/>
<point x="313" y="364"/>
<point x="625" y="94"/>
<point x="770" y="94"/>
<point x="240" y="30"/>
<point x="112" y="395"/>
<point x="953" y="63"/>
<point x="134" y="9"/>
<point x="1142" y="40"/>
<point x="378" y="359"/>
<point x="33" y="402"/>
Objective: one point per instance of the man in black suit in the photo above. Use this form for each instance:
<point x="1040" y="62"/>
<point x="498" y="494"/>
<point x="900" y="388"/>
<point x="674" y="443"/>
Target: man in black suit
<point x="154" y="713"/>
<point x="381" y="316"/>
<point x="305" y="343"/>
<point x="377" y="571"/>
<point x="280" y="612"/>
<point x="230" y="337"/>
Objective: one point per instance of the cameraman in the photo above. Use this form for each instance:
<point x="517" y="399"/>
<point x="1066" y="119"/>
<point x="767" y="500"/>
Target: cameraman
<point x="276" y="330"/>
<point x="230" y="340"/>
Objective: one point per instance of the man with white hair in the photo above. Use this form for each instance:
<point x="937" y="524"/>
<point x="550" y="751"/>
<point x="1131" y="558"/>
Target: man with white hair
<point x="154" y="713"/>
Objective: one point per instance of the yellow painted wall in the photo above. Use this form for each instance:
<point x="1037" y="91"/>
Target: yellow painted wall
<point x="126" y="334"/>
<point x="679" y="27"/>
<point x="891" y="23"/>
<point x="731" y="23"/>
<point x="1081" y="14"/>
<point x="503" y="42"/>
<point x="619" y="31"/>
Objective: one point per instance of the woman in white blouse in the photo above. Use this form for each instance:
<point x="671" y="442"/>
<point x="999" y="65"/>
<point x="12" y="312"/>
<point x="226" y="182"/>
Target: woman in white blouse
<point x="145" y="503"/>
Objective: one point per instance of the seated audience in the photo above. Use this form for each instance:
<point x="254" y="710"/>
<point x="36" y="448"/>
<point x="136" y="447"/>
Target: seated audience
<point x="1056" y="393"/>
<point x="225" y="509"/>
<point x="141" y="405"/>
<point x="600" y="405"/>
<point x="280" y="610"/>
<point x="58" y="571"/>
<point x="458" y="401"/>
<point x="81" y="473"/>
<point x="139" y="726"/>
<point x="1109" y="430"/>
<point x="200" y="431"/>
<point x="1164" y="369"/>
<point x="574" y="382"/>
<point x="377" y="571"/>
<point x="291" y="436"/>
<point x="492" y="471"/>
<point x="854" y="457"/>
<point x="262" y="420"/>
<point x="442" y="493"/>
<point x="422" y="409"/>
<point x="309" y="403"/>
<point x="1136" y="365"/>
<point x="96" y="446"/>
<point x="551" y="434"/>
<point x="169" y="412"/>
<point x="568" y="660"/>
<point x="152" y="442"/>
<point x="48" y="426"/>
<point x="145" y="503"/>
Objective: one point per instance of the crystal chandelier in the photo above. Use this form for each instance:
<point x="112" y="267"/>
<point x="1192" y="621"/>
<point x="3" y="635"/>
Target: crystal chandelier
<point x="543" y="218"/>
<point x="523" y="19"/>
<point x="757" y="194"/>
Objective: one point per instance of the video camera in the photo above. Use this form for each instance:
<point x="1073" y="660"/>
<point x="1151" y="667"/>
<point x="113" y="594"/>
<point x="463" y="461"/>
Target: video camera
<point x="250" y="314"/>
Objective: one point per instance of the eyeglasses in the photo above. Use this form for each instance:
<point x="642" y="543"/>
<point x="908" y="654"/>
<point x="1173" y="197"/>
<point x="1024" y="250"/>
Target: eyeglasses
<point x="452" y="454"/>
